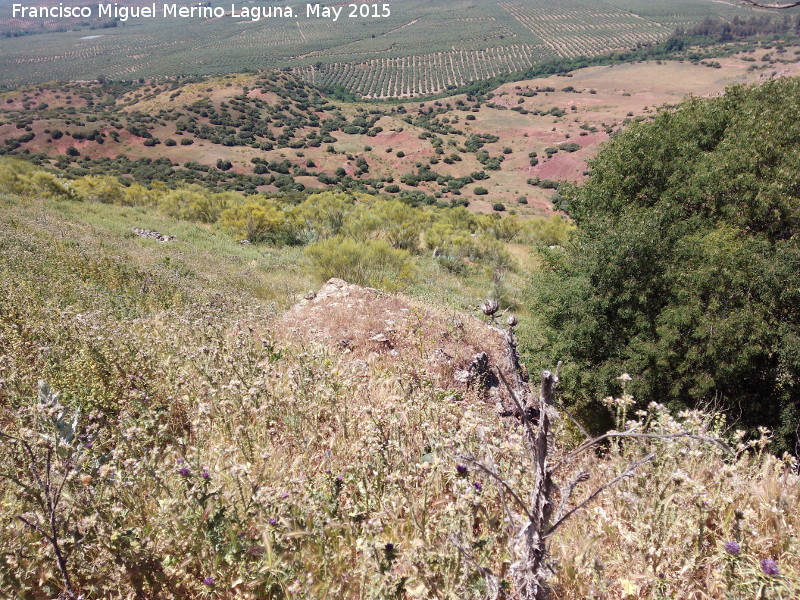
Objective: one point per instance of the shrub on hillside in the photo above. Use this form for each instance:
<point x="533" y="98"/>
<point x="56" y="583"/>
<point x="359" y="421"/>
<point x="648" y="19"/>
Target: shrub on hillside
<point x="255" y="222"/>
<point x="100" y="188"/>
<point x="504" y="229"/>
<point x="17" y="177"/>
<point x="554" y="230"/>
<point x="371" y="263"/>
<point x="396" y="222"/>
<point x="455" y="243"/>
<point x="322" y="215"/>
<point x="194" y="204"/>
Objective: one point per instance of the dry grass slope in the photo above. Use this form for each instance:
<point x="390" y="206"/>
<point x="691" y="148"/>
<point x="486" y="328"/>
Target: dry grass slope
<point x="198" y="455"/>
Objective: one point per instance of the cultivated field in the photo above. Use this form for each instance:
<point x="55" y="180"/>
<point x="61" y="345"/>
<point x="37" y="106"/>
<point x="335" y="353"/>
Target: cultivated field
<point x="423" y="48"/>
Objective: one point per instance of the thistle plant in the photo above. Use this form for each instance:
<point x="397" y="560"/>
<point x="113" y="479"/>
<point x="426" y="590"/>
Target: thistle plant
<point x="545" y="506"/>
<point x="46" y="455"/>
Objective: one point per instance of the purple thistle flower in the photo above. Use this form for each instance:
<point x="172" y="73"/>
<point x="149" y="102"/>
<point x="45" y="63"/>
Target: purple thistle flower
<point x="273" y="521"/>
<point x="733" y="548"/>
<point x="205" y="475"/>
<point x="390" y="552"/>
<point x="461" y="470"/>
<point x="209" y="581"/>
<point x="769" y="567"/>
<point x="184" y="471"/>
<point x="478" y="485"/>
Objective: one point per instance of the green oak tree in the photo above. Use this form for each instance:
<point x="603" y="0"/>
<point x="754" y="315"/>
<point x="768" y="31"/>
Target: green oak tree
<point x="685" y="268"/>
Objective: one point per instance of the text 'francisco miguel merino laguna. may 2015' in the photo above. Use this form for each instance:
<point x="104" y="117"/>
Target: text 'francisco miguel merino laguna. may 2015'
<point x="113" y="10"/>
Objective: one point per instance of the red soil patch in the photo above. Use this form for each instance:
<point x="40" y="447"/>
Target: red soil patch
<point x="399" y="140"/>
<point x="561" y="167"/>
<point x="543" y="135"/>
<point x="589" y="139"/>
<point x="268" y="97"/>
<point x="507" y="100"/>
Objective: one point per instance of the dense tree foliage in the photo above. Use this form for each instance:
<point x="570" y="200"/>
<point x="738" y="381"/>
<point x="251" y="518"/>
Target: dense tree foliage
<point x="684" y="271"/>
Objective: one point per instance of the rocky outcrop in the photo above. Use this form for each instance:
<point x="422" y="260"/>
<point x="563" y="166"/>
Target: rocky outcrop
<point x="148" y="233"/>
<point x="453" y="350"/>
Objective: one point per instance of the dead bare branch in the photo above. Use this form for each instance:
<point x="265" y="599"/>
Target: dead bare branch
<point x="502" y="483"/>
<point x="626" y="473"/>
<point x="567" y="491"/>
<point x="531" y="574"/>
<point x="591" y="443"/>
<point x="520" y="407"/>
<point x="492" y="582"/>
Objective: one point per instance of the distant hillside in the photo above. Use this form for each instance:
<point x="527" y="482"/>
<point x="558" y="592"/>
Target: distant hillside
<point x="504" y="149"/>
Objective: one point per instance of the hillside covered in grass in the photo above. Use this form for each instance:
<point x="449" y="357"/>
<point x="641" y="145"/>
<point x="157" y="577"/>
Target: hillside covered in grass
<point x="200" y="458"/>
<point x="176" y="423"/>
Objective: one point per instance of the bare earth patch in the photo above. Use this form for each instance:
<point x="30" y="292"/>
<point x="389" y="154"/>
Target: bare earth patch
<point x="386" y="332"/>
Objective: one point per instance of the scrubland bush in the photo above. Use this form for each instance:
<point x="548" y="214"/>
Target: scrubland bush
<point x="501" y="229"/>
<point x="138" y="195"/>
<point x="99" y="188"/>
<point x="322" y="215"/>
<point x="399" y="224"/>
<point x="686" y="249"/>
<point x="452" y="243"/>
<point x="195" y="204"/>
<point x="255" y="222"/>
<point x="372" y="263"/>
<point x="554" y="230"/>
<point x="17" y="177"/>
